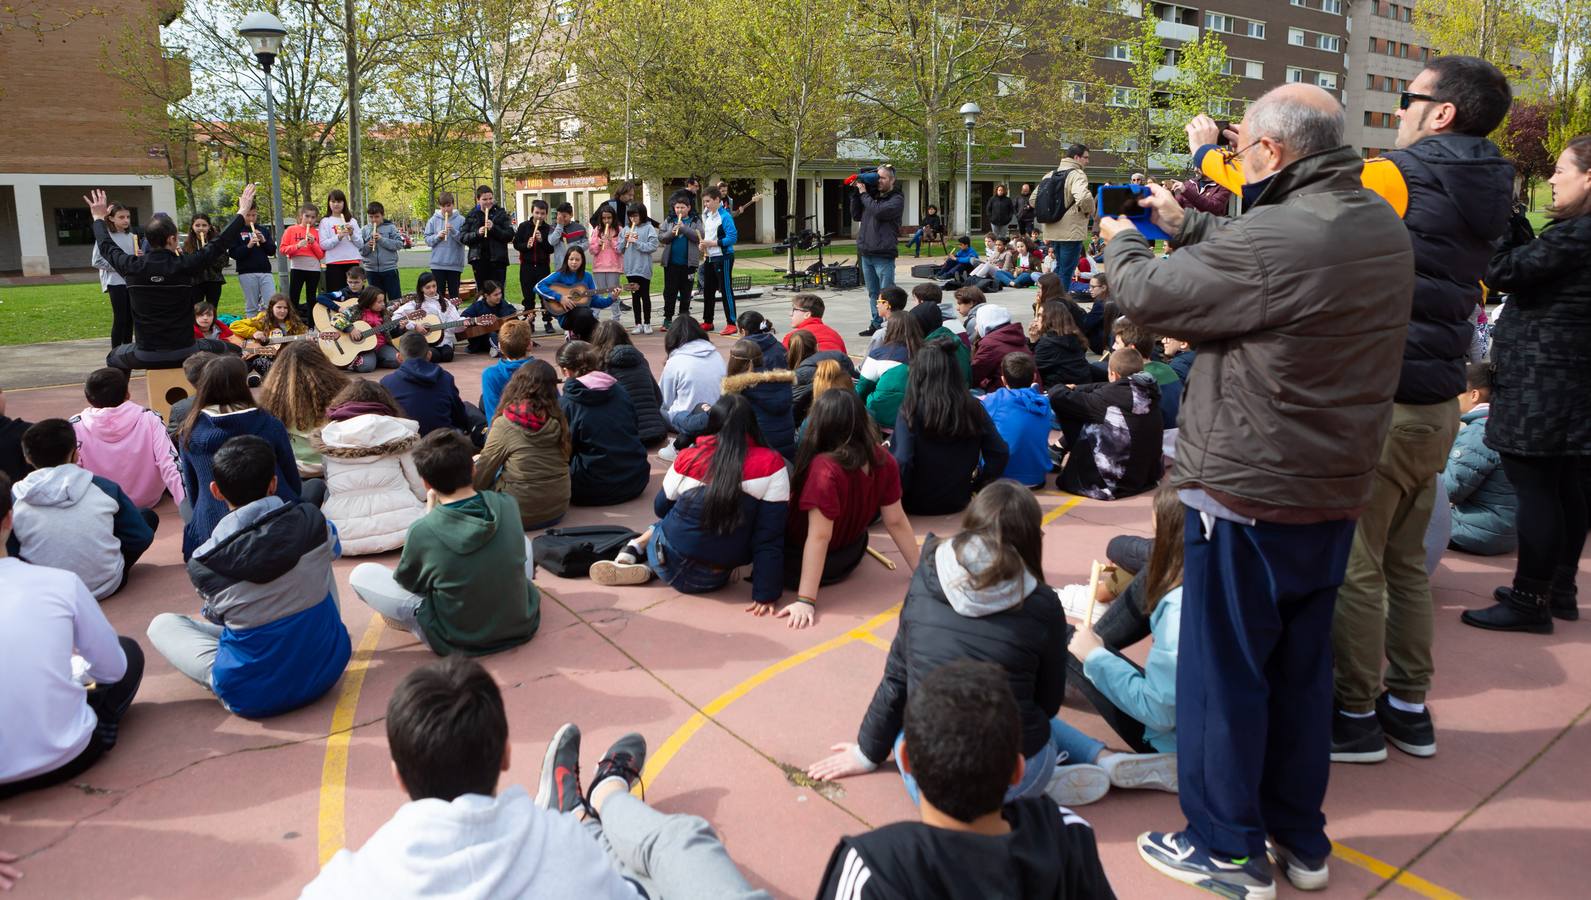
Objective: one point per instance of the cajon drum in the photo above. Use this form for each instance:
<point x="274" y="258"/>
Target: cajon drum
<point x="166" y="387"/>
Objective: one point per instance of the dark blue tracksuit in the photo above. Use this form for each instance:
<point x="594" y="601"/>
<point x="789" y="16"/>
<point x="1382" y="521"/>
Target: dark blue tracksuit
<point x="1254" y="682"/>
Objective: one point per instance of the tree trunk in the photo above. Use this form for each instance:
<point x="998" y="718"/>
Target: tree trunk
<point x="931" y="165"/>
<point x="356" y="200"/>
<point x="793" y="194"/>
<point x="497" y="166"/>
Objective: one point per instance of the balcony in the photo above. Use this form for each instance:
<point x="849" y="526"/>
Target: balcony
<point x="1167" y="73"/>
<point x="1176" y="31"/>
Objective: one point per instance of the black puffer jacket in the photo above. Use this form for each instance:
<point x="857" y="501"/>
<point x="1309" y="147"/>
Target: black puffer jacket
<point x="801" y="396"/>
<point x="1062" y="360"/>
<point x="1541" y="345"/>
<point x="1460" y="190"/>
<point x="608" y="465"/>
<point x="629" y="366"/>
<point x="1027" y="640"/>
<point x="769" y="393"/>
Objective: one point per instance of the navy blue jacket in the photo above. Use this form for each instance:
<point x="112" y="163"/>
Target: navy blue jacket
<point x="209" y="433"/>
<point x="428" y="395"/>
<point x="253" y="260"/>
<point x="764" y="501"/>
<point x="608" y="464"/>
<point x="938" y="475"/>
<point x="773" y="352"/>
<point x="770" y="394"/>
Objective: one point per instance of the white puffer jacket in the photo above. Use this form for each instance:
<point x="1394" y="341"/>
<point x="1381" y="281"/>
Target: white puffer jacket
<point x="373" y="492"/>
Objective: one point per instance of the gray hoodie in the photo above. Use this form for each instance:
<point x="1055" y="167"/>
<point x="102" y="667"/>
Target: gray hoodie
<point x="693" y="374"/>
<point x="638" y="253"/>
<point x="384" y="257"/>
<point x="447" y="254"/>
<point x="64" y="520"/>
<point x="955" y="578"/>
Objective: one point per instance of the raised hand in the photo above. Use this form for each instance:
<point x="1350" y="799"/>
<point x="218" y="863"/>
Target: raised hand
<point x="98" y="206"/>
<point x="246" y="199"/>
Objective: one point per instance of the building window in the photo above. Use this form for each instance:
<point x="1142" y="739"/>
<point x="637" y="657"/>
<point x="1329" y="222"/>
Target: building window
<point x="1121" y="52"/>
<point x="1326" y="80"/>
<point x="569" y="128"/>
<point x="1077" y="92"/>
<point x="74" y="227"/>
<point x="1294" y="74"/>
<point x="1219" y="22"/>
<point x="1019" y="137"/>
<point x="1256" y="30"/>
<point x="1122" y="97"/>
<point x="1314" y="40"/>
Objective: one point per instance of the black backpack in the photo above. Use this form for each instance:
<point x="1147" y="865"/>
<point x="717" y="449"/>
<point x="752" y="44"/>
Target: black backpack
<point x="569" y="552"/>
<point x="1052" y="199"/>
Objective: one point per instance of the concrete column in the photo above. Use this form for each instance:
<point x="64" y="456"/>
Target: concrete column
<point x="815" y="203"/>
<point x="958" y="190"/>
<point x="31" y="228"/>
<point x="914" y="190"/>
<point x="652" y="196"/>
<point x="163" y="194"/>
<point x="765" y="212"/>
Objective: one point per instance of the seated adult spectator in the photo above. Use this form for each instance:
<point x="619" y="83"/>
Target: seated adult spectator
<point x="527" y="450"/>
<point x="1021" y="415"/>
<point x="722" y="506"/>
<point x="125" y="442"/>
<point x="12" y="464"/>
<point x="458" y="835"/>
<point x="69" y="518"/>
<point x="162" y="286"/>
<point x="463" y="583"/>
<point x="963" y="735"/>
<point x="424" y="390"/>
<point x="54" y="729"/>
<point x="272" y="638"/>
<point x="770" y="392"/>
<point x="944" y="441"/>
<point x="1112" y="431"/>
<point x="806" y="314"/>
<point x="979" y="595"/>
<point x="994" y="337"/>
<point x="844" y="480"/>
<point x="607" y="463"/>
<point x="1483" y="501"/>
<point x="373" y="489"/>
<point x="931" y="230"/>
<point x="805" y="358"/>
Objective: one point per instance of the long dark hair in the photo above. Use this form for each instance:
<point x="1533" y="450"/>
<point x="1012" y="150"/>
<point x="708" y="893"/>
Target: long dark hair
<point x="578" y="358"/>
<point x="937" y="402"/>
<point x="1165" y="557"/>
<point x="838" y="424"/>
<point x="1051" y="287"/>
<point x="359" y="390"/>
<point x="1058" y="319"/>
<point x="192" y="245"/>
<point x="579" y="273"/>
<point x="801" y="345"/>
<point x="613" y="220"/>
<point x="609" y="334"/>
<point x="733" y="425"/>
<point x="903" y="329"/>
<point x="682" y="331"/>
<point x="1006" y="517"/>
<point x="535" y="384"/>
<point x="223" y="382"/>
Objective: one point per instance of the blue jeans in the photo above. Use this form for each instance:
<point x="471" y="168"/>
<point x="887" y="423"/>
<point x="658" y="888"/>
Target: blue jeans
<point x="1035" y="775"/>
<point x="1254" y="682"/>
<point x="878" y="272"/>
<point x="1066" y="254"/>
<point x="688" y="576"/>
<point x="1076" y="746"/>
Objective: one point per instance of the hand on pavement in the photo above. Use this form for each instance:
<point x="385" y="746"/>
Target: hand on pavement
<point x="800" y="613"/>
<point x="846" y="761"/>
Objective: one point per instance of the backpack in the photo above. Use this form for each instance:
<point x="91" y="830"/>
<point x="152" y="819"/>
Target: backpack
<point x="1052" y="199"/>
<point x="569" y="552"/>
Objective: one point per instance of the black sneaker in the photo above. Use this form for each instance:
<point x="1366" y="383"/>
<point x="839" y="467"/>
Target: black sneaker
<point x="1175" y="855"/>
<point x="1516" y="610"/>
<point x="1304" y="873"/>
<point x="624" y="759"/>
<point x="1410" y="732"/>
<point x="1356" y="740"/>
<point x="559" y="788"/>
<point x="868" y="331"/>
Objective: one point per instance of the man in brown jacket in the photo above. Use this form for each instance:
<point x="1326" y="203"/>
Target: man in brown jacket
<point x="1298" y="309"/>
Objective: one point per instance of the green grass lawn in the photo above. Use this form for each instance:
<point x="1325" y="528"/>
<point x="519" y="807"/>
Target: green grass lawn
<point x="65" y="312"/>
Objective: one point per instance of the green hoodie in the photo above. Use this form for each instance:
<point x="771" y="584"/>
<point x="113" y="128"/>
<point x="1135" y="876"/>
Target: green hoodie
<point x="467" y="559"/>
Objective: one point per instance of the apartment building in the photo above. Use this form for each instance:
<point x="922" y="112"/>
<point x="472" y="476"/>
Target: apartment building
<point x="1384" y="55"/>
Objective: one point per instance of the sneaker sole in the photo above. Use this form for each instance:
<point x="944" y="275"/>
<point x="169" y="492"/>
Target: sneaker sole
<point x="1078" y="785"/>
<point x="1366" y="756"/>
<point x="1300" y="877"/>
<point x="1157" y="771"/>
<point x="1424" y="751"/>
<point x="612" y="574"/>
<point x="545" y="789"/>
<point x="1205" y="881"/>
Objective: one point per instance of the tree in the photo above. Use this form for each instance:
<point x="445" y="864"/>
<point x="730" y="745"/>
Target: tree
<point x="426" y="142"/>
<point x="1523" y="138"/>
<point x="1201" y="86"/>
<point x="1506" y="33"/>
<point x="1136" y="124"/>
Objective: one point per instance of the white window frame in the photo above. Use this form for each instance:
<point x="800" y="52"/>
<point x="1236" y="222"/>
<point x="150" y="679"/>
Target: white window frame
<point x="1019" y="136"/>
<point x="1256" y="30"/>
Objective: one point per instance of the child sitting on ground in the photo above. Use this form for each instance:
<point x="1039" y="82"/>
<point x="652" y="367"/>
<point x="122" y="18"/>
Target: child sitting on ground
<point x="458" y="836"/>
<point x="69" y="518"/>
<point x="125" y="442"/>
<point x="770" y="392"/>
<point x="608" y="463"/>
<point x="1130" y="335"/>
<point x="373" y="490"/>
<point x="191" y="367"/>
<point x="371" y="312"/>
<point x="944" y="441"/>
<point x="527" y="451"/>
<point x="1483" y="501"/>
<point x="884" y="371"/>
<point x="891" y="301"/>
<point x="513" y="347"/>
<point x="755" y="327"/>
<point x="994" y="337"/>
<point x="355" y="286"/>
<point x="960" y="722"/>
<point x="273" y="639"/>
<point x="277" y="319"/>
<point x="1021" y="414"/>
<point x="628" y="365"/>
<point x="425" y="390"/>
<point x="463" y="583"/>
<point x="12" y="463"/>
<point x="429" y="301"/>
<point x="1112" y="431"/>
<point x="206" y="326"/>
<point x="1179" y="356"/>
<point x="693" y="376"/>
<point x="54" y="729"/>
<point x="489" y="301"/>
<point x="962" y="259"/>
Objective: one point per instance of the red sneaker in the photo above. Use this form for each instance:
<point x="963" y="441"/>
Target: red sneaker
<point x="729" y="331"/>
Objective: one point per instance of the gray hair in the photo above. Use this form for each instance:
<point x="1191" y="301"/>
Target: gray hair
<point x="1302" y="127"/>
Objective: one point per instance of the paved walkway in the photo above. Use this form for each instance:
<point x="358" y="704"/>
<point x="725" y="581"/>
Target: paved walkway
<point x="196" y="803"/>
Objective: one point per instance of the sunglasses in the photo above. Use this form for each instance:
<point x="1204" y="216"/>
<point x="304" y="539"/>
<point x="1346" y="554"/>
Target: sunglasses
<point x="1407" y="98"/>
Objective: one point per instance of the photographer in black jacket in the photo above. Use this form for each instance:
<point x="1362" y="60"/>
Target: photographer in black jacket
<point x="878" y="236"/>
<point x="162" y="287"/>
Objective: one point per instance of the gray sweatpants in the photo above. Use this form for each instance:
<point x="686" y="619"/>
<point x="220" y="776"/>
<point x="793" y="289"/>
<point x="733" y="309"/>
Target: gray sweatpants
<point x="188" y="644"/>
<point x="671" y="857"/>
<point x="257" y="290"/>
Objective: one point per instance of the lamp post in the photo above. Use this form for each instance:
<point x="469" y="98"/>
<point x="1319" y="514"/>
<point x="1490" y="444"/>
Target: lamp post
<point x="969" y="115"/>
<point x="264" y="32"/>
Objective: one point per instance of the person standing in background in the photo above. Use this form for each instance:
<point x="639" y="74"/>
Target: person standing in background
<point x="999" y="212"/>
<point x="877" y="237"/>
<point x="252" y="252"/>
<point x="119" y="224"/>
<point x="212" y="277"/>
<point x="533" y="241"/>
<point x="379" y="243"/>
<point x="339" y="238"/>
<point x="718" y="255"/>
<point x="680" y="238"/>
<point x="442" y="235"/>
<point x="1024" y="211"/>
<point x="1066" y="234"/>
<point x="301" y="245"/>
<point x="488" y="231"/>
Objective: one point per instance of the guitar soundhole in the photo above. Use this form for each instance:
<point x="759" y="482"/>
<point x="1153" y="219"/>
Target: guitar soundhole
<point x="175" y="395"/>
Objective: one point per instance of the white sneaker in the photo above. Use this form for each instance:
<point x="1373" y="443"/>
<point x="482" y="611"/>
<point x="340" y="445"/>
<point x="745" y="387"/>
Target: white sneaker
<point x="637" y="330"/>
<point x="493" y="353"/>
<point x="1077" y="785"/>
<point x="612" y="574"/>
<point x="1074" y="602"/>
<point x="646" y="329"/>
<point x="667" y="452"/>
<point x="1141" y="770"/>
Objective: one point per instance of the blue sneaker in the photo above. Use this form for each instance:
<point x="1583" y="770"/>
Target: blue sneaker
<point x="1174" y="854"/>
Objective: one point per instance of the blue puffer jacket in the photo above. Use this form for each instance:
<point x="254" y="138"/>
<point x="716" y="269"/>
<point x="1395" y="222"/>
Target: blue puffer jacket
<point x="770" y="393"/>
<point x="265" y="577"/>
<point x="1483" y="501"/>
<point x="609" y="464"/>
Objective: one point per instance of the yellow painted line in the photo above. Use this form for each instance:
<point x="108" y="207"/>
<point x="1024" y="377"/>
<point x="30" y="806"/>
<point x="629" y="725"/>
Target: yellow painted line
<point x="1061" y="510"/>
<point x="1407" y="880"/>
<point x="334" y="771"/>
<point x="656" y="762"/>
<point x="875" y="640"/>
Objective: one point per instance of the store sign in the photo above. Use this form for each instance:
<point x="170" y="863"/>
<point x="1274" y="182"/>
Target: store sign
<point x="564" y="181"/>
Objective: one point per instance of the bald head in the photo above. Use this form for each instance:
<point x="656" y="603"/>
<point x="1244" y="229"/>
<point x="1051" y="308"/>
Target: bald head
<point x="1301" y="119"/>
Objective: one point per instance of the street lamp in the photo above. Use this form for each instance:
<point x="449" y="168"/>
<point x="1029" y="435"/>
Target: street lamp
<point x="969" y="115"/>
<point x="264" y="32"/>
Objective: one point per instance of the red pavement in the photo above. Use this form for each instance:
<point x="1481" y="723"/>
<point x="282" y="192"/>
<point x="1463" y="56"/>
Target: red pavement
<point x="197" y="803"/>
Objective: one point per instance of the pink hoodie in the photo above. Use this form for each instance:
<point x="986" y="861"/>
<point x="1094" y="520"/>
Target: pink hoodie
<point x="128" y="445"/>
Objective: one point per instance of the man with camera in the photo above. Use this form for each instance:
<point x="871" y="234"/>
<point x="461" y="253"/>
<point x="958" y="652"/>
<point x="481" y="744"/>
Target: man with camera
<point x="1298" y="308"/>
<point x="878" y="209"/>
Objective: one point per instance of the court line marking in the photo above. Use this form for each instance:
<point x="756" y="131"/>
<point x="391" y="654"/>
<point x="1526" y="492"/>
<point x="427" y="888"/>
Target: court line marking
<point x="334" y="769"/>
<point x="1392" y="874"/>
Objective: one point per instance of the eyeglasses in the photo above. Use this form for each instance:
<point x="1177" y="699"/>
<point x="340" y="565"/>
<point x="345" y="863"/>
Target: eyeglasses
<point x="1407" y="98"/>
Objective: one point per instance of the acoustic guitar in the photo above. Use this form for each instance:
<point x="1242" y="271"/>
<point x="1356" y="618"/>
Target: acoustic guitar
<point x="570" y="296"/>
<point x="252" y="349"/>
<point x="360" y="336"/>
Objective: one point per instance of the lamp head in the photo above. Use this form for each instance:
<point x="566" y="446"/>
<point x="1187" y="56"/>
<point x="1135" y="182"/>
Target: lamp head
<point x="970" y="112"/>
<point x="264" y="32"/>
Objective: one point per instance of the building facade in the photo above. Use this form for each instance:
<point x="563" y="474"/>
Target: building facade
<point x="68" y="129"/>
